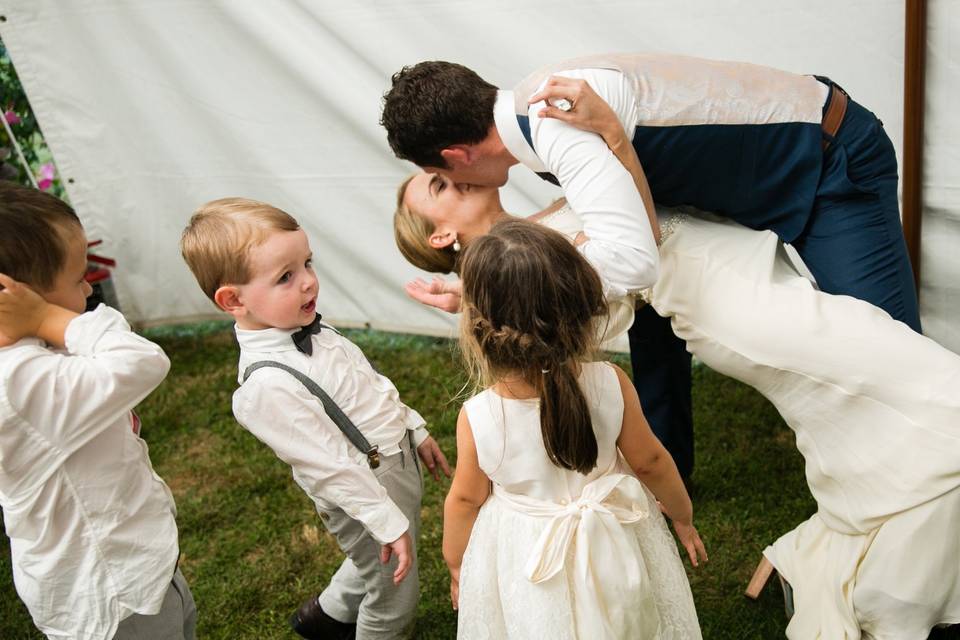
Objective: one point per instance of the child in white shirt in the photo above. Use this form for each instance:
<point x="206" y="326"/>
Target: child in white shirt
<point x="254" y="262"/>
<point x="92" y="534"/>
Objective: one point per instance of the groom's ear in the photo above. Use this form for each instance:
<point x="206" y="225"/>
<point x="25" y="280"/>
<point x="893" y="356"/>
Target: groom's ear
<point x="458" y="155"/>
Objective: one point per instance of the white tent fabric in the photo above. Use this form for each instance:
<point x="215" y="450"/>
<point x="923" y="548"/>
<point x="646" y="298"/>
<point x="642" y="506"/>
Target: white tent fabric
<point x="155" y="106"/>
<point x="940" y="237"/>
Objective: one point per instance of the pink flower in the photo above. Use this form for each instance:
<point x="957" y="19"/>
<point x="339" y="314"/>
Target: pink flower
<point x="46" y="176"/>
<point x="11" y="117"/>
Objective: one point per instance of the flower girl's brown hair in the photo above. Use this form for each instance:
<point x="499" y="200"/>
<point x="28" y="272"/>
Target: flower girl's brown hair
<point x="529" y="301"/>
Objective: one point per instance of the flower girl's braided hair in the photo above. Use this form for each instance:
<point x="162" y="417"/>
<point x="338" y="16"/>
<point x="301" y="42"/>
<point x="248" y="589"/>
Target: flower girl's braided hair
<point x="529" y="300"/>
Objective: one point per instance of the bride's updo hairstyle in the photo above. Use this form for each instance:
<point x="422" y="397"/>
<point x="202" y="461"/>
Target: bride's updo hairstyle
<point x="529" y="300"/>
<point x="412" y="230"/>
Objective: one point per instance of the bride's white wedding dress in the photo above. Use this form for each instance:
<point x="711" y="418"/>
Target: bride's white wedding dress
<point x="875" y="408"/>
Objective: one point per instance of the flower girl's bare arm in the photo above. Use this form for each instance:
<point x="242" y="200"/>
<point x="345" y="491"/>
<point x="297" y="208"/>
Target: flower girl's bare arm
<point x="468" y="492"/>
<point x="653" y="465"/>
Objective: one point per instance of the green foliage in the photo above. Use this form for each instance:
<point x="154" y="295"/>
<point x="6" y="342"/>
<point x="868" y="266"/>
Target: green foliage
<point x="15" y="106"/>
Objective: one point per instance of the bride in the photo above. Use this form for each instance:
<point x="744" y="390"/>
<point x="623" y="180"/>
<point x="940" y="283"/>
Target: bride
<point x="875" y="407"/>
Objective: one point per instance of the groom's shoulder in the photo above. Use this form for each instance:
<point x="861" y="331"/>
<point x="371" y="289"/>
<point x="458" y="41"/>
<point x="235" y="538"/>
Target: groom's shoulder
<point x="608" y="61"/>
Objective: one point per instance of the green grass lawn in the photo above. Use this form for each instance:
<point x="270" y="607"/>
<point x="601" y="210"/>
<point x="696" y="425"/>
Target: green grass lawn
<point x="253" y="546"/>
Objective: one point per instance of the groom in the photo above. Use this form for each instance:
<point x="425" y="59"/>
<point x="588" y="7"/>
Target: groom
<point x="769" y="149"/>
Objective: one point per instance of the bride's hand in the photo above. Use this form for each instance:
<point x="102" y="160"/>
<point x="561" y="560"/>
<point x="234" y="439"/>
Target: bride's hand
<point x="437" y="293"/>
<point x="690" y="539"/>
<point x="587" y="111"/>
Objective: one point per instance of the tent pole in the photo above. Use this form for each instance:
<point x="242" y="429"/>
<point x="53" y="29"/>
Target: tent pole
<point x="914" y="65"/>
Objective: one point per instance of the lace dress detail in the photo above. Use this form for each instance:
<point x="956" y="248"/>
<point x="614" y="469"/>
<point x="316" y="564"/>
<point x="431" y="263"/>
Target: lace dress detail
<point x="670" y="221"/>
<point x="567" y="221"/>
<point x="564" y="220"/>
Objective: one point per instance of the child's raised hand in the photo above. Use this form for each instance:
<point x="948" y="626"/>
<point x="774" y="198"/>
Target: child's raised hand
<point x="22" y="310"/>
<point x="690" y="539"/>
<point x="437" y="293"/>
<point x="429" y="451"/>
<point x="402" y="547"/>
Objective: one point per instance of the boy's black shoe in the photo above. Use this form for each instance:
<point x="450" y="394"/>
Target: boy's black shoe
<point x="312" y="623"/>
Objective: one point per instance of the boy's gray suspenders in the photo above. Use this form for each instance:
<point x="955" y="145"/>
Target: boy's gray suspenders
<point x="333" y="411"/>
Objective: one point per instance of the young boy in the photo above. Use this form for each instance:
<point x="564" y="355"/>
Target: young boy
<point x="92" y="534"/>
<point x="254" y="262"/>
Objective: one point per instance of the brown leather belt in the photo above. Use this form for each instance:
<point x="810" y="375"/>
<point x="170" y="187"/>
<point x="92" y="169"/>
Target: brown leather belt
<point x="833" y="116"/>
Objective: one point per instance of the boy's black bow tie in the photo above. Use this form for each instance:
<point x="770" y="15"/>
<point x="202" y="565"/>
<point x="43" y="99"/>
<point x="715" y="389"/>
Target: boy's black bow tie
<point x="301" y="337"/>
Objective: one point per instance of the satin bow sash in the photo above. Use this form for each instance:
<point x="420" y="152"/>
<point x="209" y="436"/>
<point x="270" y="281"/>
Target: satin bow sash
<point x="612" y="595"/>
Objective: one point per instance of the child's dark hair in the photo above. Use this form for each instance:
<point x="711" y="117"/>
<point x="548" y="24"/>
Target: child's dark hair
<point x="529" y="301"/>
<point x="33" y="248"/>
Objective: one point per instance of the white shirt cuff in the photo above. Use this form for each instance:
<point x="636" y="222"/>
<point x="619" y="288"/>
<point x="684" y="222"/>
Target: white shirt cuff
<point x="386" y="523"/>
<point x="419" y="435"/>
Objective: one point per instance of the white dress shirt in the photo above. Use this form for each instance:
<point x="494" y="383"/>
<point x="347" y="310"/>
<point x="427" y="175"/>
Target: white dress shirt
<point x="595" y="183"/>
<point x="282" y="413"/>
<point x="620" y="311"/>
<point x="91" y="526"/>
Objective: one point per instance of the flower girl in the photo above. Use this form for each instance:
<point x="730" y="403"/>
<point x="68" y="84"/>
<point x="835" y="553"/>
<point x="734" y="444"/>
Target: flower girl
<point x="552" y="527"/>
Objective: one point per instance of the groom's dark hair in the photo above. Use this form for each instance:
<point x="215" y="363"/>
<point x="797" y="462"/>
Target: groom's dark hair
<point x="433" y="105"/>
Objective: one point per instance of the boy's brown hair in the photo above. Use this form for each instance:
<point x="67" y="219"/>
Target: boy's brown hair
<point x="217" y="241"/>
<point x="33" y="232"/>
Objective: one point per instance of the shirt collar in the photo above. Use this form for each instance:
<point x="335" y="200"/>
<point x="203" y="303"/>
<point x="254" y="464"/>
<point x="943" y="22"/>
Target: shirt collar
<point x="505" y="118"/>
<point x="265" y="340"/>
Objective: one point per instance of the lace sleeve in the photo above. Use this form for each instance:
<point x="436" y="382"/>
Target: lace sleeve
<point x="670" y="221"/>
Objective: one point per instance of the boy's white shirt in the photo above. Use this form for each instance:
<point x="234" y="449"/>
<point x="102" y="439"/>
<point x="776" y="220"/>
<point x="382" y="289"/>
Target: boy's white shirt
<point x="91" y="525"/>
<point x="279" y="410"/>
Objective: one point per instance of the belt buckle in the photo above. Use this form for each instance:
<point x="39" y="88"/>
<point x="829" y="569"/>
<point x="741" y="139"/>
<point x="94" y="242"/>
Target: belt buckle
<point x="373" y="457"/>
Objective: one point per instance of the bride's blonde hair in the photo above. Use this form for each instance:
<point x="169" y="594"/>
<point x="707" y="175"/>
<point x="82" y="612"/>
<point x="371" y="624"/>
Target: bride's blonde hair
<point x="412" y="230"/>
